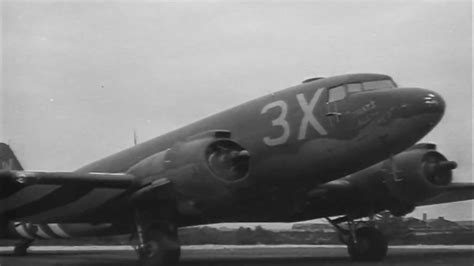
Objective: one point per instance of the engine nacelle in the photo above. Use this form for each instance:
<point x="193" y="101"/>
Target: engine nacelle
<point x="417" y="174"/>
<point x="397" y="183"/>
<point x="205" y="170"/>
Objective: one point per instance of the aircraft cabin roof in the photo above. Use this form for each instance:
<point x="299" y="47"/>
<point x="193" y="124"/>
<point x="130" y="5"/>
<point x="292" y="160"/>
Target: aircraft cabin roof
<point x="348" y="78"/>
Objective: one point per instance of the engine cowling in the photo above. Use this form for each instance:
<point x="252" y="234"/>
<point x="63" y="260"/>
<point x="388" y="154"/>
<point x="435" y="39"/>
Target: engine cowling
<point x="417" y="174"/>
<point x="397" y="183"/>
<point x="204" y="170"/>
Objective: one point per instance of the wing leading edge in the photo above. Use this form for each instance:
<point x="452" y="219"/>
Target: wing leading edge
<point x="452" y="193"/>
<point x="59" y="196"/>
<point x="99" y="180"/>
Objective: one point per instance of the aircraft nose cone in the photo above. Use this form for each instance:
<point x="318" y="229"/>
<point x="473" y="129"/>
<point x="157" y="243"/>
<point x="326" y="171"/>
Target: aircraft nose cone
<point x="416" y="101"/>
<point x="434" y="102"/>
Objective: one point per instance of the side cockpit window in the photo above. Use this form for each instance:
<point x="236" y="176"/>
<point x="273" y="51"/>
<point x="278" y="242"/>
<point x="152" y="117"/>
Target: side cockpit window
<point x="337" y="93"/>
<point x="354" y="87"/>
<point x="378" y="84"/>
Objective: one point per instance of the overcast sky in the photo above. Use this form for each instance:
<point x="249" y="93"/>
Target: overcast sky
<point x="78" y="77"/>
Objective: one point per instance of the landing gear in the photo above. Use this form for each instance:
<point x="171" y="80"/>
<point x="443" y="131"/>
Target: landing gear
<point x="365" y="243"/>
<point x="156" y="228"/>
<point x="159" y="245"/>
<point x="369" y="245"/>
<point x="21" y="247"/>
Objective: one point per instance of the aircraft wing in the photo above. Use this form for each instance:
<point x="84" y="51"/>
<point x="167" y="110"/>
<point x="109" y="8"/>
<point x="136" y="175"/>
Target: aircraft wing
<point x="453" y="192"/>
<point x="416" y="177"/>
<point x="100" y="180"/>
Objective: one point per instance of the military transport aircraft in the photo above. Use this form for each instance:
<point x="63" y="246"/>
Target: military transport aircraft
<point x="342" y="147"/>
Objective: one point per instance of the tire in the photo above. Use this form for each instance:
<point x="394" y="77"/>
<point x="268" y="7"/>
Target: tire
<point x="20" y="250"/>
<point x="371" y="245"/>
<point x="161" y="248"/>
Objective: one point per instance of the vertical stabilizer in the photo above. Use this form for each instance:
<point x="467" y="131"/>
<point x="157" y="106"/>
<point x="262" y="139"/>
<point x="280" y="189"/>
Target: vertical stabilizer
<point x="8" y="160"/>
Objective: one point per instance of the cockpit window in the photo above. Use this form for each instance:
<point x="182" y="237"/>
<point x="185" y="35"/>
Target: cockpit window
<point x="378" y="84"/>
<point x="354" y="87"/>
<point x="337" y="93"/>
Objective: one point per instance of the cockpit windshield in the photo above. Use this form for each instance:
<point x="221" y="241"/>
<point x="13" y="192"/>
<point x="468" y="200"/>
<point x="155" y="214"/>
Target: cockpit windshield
<point x="378" y="84"/>
<point x="340" y="92"/>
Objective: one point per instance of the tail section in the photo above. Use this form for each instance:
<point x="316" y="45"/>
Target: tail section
<point x="8" y="160"/>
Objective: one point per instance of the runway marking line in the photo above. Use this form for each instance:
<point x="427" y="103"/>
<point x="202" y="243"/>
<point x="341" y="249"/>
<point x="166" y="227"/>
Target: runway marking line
<point x="227" y="247"/>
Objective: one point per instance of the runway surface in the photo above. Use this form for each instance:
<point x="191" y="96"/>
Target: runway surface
<point x="211" y="255"/>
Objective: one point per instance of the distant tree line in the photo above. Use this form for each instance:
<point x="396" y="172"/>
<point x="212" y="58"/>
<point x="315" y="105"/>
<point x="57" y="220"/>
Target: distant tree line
<point x="398" y="230"/>
<point x="248" y="236"/>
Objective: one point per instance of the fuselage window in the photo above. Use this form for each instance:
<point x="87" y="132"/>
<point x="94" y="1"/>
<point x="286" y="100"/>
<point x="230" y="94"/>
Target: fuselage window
<point x="337" y="93"/>
<point x="354" y="87"/>
<point x="378" y="85"/>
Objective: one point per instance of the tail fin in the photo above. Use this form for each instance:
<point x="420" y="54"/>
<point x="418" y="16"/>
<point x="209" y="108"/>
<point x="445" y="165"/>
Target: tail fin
<point x="8" y="160"/>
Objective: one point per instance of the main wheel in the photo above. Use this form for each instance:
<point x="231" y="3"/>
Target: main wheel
<point x="21" y="248"/>
<point x="161" y="247"/>
<point x="370" y="245"/>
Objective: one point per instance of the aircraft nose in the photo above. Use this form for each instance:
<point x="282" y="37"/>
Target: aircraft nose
<point x="434" y="102"/>
<point x="418" y="101"/>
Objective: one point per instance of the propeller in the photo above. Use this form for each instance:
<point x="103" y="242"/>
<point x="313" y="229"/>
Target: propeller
<point x="438" y="170"/>
<point x="230" y="162"/>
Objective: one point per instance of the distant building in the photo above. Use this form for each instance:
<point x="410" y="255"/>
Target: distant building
<point x="443" y="224"/>
<point x="415" y="224"/>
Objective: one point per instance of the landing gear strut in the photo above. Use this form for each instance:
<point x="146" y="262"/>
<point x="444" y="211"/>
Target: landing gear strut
<point x="21" y="247"/>
<point x="159" y="245"/>
<point x="156" y="228"/>
<point x="365" y="243"/>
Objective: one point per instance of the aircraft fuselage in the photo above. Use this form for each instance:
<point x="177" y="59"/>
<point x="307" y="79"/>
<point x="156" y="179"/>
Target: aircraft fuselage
<point x="297" y="138"/>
